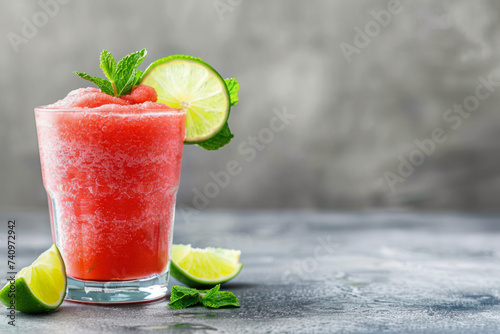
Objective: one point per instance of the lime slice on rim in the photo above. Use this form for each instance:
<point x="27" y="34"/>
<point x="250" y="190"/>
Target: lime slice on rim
<point x="189" y="83"/>
<point x="201" y="268"/>
<point x="39" y="287"/>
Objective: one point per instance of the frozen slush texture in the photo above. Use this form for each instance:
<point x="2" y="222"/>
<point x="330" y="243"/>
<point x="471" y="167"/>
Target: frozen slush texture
<point x="111" y="168"/>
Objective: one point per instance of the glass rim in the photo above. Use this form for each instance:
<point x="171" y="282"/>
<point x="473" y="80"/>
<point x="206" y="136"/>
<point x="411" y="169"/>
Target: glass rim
<point x="99" y="111"/>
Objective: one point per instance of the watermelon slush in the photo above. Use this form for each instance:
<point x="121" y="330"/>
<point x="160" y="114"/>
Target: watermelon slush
<point x="111" y="169"/>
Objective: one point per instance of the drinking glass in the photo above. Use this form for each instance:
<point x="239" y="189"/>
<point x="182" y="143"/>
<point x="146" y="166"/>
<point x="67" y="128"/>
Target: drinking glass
<point x="111" y="178"/>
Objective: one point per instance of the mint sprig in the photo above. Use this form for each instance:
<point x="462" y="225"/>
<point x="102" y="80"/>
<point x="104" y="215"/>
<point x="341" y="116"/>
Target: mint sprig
<point x="224" y="136"/>
<point x="182" y="297"/>
<point x="121" y="76"/>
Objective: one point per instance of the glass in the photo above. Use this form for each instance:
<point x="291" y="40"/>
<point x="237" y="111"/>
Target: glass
<point x="111" y="179"/>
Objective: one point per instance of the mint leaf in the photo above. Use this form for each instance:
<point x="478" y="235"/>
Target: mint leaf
<point x="217" y="299"/>
<point x="126" y="70"/>
<point x="108" y="65"/>
<point x="222" y="138"/>
<point x="103" y="84"/>
<point x="122" y="76"/>
<point x="182" y="297"/>
<point x="233" y="87"/>
<point x="222" y="299"/>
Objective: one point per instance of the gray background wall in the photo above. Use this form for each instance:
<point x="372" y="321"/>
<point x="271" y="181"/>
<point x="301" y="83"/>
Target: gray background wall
<point x="354" y="120"/>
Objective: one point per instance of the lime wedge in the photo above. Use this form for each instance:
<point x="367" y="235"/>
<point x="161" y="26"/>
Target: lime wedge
<point x="40" y="287"/>
<point x="189" y="83"/>
<point x="202" y="268"/>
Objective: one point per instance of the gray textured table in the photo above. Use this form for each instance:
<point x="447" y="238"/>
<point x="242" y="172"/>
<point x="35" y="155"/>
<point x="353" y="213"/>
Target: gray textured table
<point x="312" y="272"/>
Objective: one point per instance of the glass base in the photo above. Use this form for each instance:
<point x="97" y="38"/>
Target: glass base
<point x="118" y="292"/>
